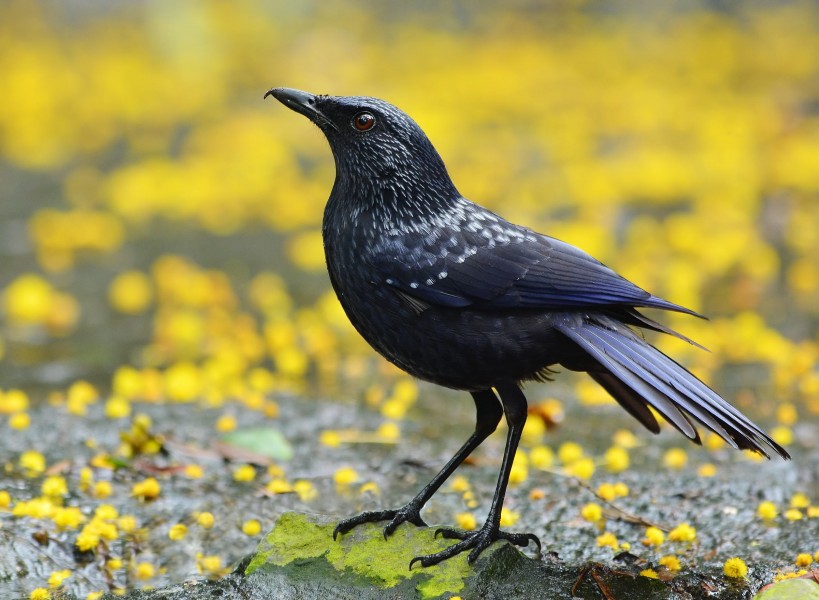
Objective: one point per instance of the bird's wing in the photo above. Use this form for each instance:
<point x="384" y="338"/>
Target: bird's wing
<point x="500" y="266"/>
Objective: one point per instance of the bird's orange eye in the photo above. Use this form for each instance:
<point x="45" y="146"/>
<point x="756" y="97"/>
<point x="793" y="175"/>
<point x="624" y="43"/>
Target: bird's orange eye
<point x="363" y="121"/>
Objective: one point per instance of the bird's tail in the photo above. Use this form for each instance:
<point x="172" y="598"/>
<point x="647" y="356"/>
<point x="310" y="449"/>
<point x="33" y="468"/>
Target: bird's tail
<point x="638" y="375"/>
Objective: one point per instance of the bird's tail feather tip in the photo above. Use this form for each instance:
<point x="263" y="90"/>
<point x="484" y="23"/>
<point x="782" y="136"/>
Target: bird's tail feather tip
<point x="638" y="375"/>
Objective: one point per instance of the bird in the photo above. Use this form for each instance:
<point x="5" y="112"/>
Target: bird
<point x="456" y="295"/>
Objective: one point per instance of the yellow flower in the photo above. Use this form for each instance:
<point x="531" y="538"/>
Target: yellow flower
<point x="508" y="517"/>
<point x="608" y="539"/>
<point x="707" y="470"/>
<point x="766" y="510"/>
<point x="541" y="457"/>
<point x="654" y="537"/>
<point x="466" y="521"/>
<point x="40" y="594"/>
<point x="226" y="423"/>
<point x="670" y="562"/>
<point x="144" y="570"/>
<point x="178" y="532"/>
<point x="33" y="461"/>
<point x="244" y="473"/>
<point x="616" y="459"/>
<point x="650" y="573"/>
<point x="683" y="533"/>
<point x="205" y="520"/>
<point x="345" y="476"/>
<point x="56" y="578"/>
<point x="735" y="568"/>
<point x="54" y="486"/>
<point x="675" y="458"/>
<point x="147" y="489"/>
<point x="591" y="512"/>
<point x="20" y="421"/>
<point x="582" y="468"/>
<point x="569" y="452"/>
<point x="251" y="527"/>
<point x="804" y="559"/>
<point x="130" y="292"/>
<point x="800" y="500"/>
<point x="793" y="514"/>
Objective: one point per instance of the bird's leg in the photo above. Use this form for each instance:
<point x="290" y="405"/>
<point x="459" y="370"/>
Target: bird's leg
<point x="488" y="414"/>
<point x="514" y="406"/>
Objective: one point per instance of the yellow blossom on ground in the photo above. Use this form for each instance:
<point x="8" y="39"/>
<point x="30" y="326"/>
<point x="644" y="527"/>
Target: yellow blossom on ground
<point x="102" y="489"/>
<point x="713" y="441"/>
<point x="54" y="486"/>
<point x="670" y="562"/>
<point x="226" y="423"/>
<point x="117" y="407"/>
<point x="130" y="292"/>
<point x="370" y="487"/>
<point x="28" y="299"/>
<point x="127" y="523"/>
<point x="147" y="489"/>
<point x="459" y="484"/>
<point x="68" y="518"/>
<point x="654" y="537"/>
<point x="466" y="520"/>
<point x="569" y="452"/>
<point x="33" y="461"/>
<point x="803" y="560"/>
<point x="591" y="512"/>
<point x="194" y="471"/>
<point x="40" y="594"/>
<point x="57" y="578"/>
<point x="20" y="421"/>
<point x="606" y="491"/>
<point x="812" y="512"/>
<point x="279" y="486"/>
<point x="735" y="568"/>
<point x="205" y="520"/>
<point x="608" y="539"/>
<point x="537" y="494"/>
<point x="582" y="468"/>
<point x="330" y="438"/>
<point x="13" y="401"/>
<point x="144" y="570"/>
<point x="542" y="457"/>
<point x="388" y="430"/>
<point x="799" y="500"/>
<point x="520" y="468"/>
<point x="767" y="510"/>
<point x="707" y="470"/>
<point x="210" y="564"/>
<point x="675" y="458"/>
<point x="305" y="489"/>
<point x="251" y="527"/>
<point x="616" y="459"/>
<point x="508" y="517"/>
<point x="244" y="473"/>
<point x="650" y="573"/>
<point x="87" y="540"/>
<point x="624" y="439"/>
<point x="345" y="476"/>
<point x="682" y="533"/>
<point x="178" y="532"/>
<point x="114" y="564"/>
<point x="793" y="514"/>
<point x="94" y="596"/>
<point x="5" y="499"/>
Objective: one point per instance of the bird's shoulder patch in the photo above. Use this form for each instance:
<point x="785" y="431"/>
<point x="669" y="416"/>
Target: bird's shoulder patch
<point x="414" y="303"/>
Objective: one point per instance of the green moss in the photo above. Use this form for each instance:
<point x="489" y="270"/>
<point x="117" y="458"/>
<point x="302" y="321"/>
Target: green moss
<point x="365" y="553"/>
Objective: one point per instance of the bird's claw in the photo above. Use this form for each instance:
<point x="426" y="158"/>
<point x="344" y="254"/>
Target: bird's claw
<point x="409" y="513"/>
<point x="476" y="541"/>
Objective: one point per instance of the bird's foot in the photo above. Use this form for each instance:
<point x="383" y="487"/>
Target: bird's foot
<point x="409" y="513"/>
<point x="476" y="541"/>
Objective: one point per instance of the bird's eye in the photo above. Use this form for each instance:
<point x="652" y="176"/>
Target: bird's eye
<point x="363" y="121"/>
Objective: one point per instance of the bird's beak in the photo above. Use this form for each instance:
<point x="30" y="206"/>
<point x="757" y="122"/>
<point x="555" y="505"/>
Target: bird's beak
<point x="302" y="102"/>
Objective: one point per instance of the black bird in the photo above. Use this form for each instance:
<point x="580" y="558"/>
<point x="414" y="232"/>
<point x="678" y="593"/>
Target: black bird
<point x="454" y="294"/>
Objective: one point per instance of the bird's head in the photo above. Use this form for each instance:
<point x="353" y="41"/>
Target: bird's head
<point x="371" y="140"/>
